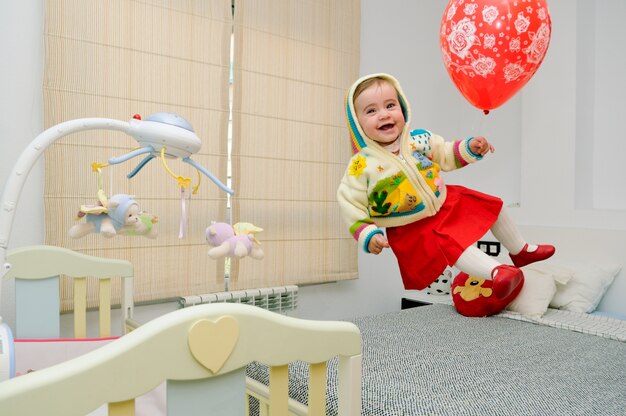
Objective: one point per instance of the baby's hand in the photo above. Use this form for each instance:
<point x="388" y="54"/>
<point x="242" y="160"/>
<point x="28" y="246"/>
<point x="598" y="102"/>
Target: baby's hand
<point x="377" y="243"/>
<point x="480" y="146"/>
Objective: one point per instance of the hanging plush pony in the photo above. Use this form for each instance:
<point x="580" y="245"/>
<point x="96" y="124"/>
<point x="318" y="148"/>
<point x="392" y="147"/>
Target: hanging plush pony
<point x="235" y="241"/>
<point x="120" y="214"/>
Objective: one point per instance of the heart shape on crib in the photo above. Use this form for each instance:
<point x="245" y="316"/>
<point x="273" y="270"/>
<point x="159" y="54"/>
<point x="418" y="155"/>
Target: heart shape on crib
<point x="212" y="342"/>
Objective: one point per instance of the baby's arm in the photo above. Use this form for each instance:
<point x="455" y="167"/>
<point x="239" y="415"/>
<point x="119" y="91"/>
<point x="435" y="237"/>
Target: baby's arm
<point x="353" y="201"/>
<point x="450" y="155"/>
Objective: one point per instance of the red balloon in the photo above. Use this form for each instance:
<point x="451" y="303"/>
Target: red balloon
<point x="491" y="48"/>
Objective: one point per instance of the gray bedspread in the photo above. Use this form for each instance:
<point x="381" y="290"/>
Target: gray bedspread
<point x="432" y="361"/>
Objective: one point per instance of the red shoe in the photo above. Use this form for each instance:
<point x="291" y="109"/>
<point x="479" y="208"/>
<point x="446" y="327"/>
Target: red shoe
<point x="505" y="280"/>
<point x="525" y="257"/>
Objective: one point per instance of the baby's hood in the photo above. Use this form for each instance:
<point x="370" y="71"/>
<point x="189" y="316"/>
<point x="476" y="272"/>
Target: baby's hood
<point x="358" y="138"/>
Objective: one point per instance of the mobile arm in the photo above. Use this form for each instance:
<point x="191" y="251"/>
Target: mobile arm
<point x="24" y="164"/>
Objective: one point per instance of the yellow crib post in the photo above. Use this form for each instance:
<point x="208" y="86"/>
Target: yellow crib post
<point x="104" y="299"/>
<point x="317" y="389"/>
<point x="80" y="307"/>
<point x="125" y="408"/>
<point x="279" y="390"/>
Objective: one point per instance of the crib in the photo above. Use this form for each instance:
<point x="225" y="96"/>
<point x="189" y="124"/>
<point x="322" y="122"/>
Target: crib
<point x="201" y="353"/>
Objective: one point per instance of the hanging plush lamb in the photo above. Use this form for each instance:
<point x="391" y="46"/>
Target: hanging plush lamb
<point x="120" y="214"/>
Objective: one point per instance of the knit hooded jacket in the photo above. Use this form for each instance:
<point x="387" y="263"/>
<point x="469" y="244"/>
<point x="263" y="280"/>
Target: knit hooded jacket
<point x="380" y="189"/>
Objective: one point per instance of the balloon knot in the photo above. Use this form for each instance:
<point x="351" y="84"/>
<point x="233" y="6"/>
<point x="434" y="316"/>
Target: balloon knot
<point x="486" y="112"/>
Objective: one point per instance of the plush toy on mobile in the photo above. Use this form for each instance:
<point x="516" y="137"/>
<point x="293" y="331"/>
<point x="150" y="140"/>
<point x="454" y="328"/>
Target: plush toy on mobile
<point x="120" y="214"/>
<point x="233" y="241"/>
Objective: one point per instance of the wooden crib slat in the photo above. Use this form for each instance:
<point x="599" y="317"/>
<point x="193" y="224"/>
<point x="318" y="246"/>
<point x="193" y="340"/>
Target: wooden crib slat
<point x="104" y="300"/>
<point x="80" y="307"/>
<point x="279" y="390"/>
<point x="317" y="389"/>
<point x="126" y="408"/>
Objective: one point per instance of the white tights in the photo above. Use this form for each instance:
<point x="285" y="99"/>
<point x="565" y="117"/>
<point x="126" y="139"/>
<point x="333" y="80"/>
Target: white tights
<point x="476" y="262"/>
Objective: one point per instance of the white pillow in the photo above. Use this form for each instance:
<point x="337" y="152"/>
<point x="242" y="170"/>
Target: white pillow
<point x="580" y="285"/>
<point x="534" y="298"/>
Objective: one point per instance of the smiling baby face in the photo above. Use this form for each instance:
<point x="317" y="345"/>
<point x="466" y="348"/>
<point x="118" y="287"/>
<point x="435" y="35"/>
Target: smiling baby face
<point x="379" y="112"/>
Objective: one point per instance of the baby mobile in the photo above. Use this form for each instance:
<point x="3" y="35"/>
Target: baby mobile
<point x="162" y="135"/>
<point x="159" y="135"/>
<point x="491" y="48"/>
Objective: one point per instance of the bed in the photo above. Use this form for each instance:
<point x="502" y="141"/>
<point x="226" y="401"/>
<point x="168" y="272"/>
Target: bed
<point x="553" y="351"/>
<point x="430" y="360"/>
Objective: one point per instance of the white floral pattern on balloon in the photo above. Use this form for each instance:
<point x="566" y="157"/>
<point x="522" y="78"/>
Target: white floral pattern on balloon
<point x="492" y="48"/>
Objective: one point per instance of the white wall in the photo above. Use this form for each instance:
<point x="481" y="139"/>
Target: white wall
<point x="21" y="119"/>
<point x="552" y="140"/>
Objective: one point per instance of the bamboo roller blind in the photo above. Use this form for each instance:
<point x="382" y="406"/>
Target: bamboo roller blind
<point x="115" y="58"/>
<point x="294" y="62"/>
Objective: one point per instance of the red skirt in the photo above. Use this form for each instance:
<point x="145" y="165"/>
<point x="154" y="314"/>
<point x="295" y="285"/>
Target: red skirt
<point x="426" y="247"/>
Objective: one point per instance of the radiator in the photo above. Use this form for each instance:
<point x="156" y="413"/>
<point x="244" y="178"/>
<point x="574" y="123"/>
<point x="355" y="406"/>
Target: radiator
<point x="282" y="299"/>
